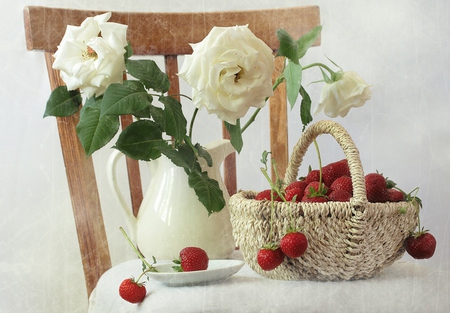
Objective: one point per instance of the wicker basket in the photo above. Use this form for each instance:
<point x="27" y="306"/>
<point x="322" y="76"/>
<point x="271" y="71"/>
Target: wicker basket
<point x="347" y="240"/>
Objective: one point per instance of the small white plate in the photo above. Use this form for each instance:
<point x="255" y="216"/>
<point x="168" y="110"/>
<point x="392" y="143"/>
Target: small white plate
<point x="218" y="270"/>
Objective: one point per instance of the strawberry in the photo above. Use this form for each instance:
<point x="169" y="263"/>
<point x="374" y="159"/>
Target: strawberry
<point x="265" y="195"/>
<point x="334" y="170"/>
<point x="343" y="183"/>
<point x="314" y="199"/>
<point x="292" y="193"/>
<point x="421" y="245"/>
<point x="395" y="195"/>
<point x="313" y="175"/>
<point x="339" y="196"/>
<point x="300" y="184"/>
<point x="294" y="244"/>
<point x="270" y="257"/>
<point x="132" y="291"/>
<point x="376" y="189"/>
<point x="315" y="189"/>
<point x="191" y="259"/>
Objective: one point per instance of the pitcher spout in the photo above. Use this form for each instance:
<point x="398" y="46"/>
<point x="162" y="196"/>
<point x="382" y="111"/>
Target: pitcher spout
<point x="219" y="150"/>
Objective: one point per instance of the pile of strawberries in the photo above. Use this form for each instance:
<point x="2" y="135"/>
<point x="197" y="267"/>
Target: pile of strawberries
<point x="335" y="185"/>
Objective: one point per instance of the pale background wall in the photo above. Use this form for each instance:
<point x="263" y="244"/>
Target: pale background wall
<point x="401" y="47"/>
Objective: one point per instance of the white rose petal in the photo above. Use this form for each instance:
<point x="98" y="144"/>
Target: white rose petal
<point x="89" y="62"/>
<point x="337" y="98"/>
<point x="229" y="71"/>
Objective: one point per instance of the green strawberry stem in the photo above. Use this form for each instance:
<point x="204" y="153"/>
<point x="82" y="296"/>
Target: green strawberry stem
<point x="320" y="164"/>
<point x="138" y="253"/>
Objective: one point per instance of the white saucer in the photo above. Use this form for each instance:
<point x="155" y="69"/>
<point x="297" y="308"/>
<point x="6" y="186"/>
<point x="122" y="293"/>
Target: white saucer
<point x="217" y="271"/>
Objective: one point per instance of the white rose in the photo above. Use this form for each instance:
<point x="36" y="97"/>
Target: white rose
<point x="90" y="62"/>
<point x="338" y="97"/>
<point x="230" y="71"/>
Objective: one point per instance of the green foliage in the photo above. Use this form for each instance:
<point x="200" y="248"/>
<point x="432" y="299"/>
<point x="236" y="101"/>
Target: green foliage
<point x="148" y="72"/>
<point x="305" y="108"/>
<point x="235" y="135"/>
<point x="288" y="46"/>
<point x="293" y="75"/>
<point x="63" y="102"/>
<point x="94" y="130"/>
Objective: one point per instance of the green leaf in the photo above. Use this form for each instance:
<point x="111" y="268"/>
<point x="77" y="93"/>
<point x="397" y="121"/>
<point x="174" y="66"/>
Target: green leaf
<point x="293" y="77"/>
<point x="148" y="72"/>
<point x="93" y="130"/>
<point x="63" y="102"/>
<point x="158" y="115"/>
<point x="141" y="140"/>
<point x="204" y="154"/>
<point x="235" y="135"/>
<point x="183" y="157"/>
<point x="207" y="191"/>
<point x="305" y="108"/>
<point x="128" y="51"/>
<point x="288" y="46"/>
<point x="175" y="122"/>
<point x="127" y="98"/>
<point x="306" y="41"/>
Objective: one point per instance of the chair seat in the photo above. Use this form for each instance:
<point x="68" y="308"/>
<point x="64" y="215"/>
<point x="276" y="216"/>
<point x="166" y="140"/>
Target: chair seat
<point x="403" y="287"/>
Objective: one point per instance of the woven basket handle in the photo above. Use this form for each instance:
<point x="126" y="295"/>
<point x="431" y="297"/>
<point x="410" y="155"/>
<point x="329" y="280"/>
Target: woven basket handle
<point x="347" y="145"/>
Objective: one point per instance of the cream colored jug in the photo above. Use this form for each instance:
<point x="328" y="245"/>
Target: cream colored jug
<point x="171" y="217"/>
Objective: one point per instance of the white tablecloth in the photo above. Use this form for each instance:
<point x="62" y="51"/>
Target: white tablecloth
<point x="403" y="287"/>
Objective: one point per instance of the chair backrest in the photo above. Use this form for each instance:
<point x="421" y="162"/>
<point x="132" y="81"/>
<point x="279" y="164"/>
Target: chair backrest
<point x="45" y="27"/>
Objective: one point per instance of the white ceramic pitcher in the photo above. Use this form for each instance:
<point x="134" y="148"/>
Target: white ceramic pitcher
<point x="171" y="217"/>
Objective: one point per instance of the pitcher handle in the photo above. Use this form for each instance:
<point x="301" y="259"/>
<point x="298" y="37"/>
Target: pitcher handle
<point x="111" y="172"/>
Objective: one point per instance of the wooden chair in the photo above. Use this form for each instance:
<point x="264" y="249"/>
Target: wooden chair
<point x="45" y="27"/>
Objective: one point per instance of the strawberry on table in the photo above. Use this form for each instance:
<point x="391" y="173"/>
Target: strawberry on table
<point x="132" y="291"/>
<point x="270" y="257"/>
<point x="294" y="244"/>
<point x="192" y="259"/>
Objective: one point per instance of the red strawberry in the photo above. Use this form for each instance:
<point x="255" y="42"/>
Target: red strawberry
<point x="334" y="170"/>
<point x="314" y="189"/>
<point x="313" y="175"/>
<point x="314" y="199"/>
<point x="421" y="245"/>
<point x="270" y="257"/>
<point x="192" y="259"/>
<point x="343" y="183"/>
<point x="131" y="291"/>
<point x="265" y="195"/>
<point x="300" y="184"/>
<point x="376" y="189"/>
<point x="292" y="193"/>
<point x="395" y="195"/>
<point x="339" y="196"/>
<point x="294" y="244"/>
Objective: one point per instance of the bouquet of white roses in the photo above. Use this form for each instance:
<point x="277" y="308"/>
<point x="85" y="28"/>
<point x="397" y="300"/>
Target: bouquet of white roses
<point x="229" y="71"/>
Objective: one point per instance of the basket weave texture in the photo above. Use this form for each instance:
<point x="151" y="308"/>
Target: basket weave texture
<point x="346" y="240"/>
